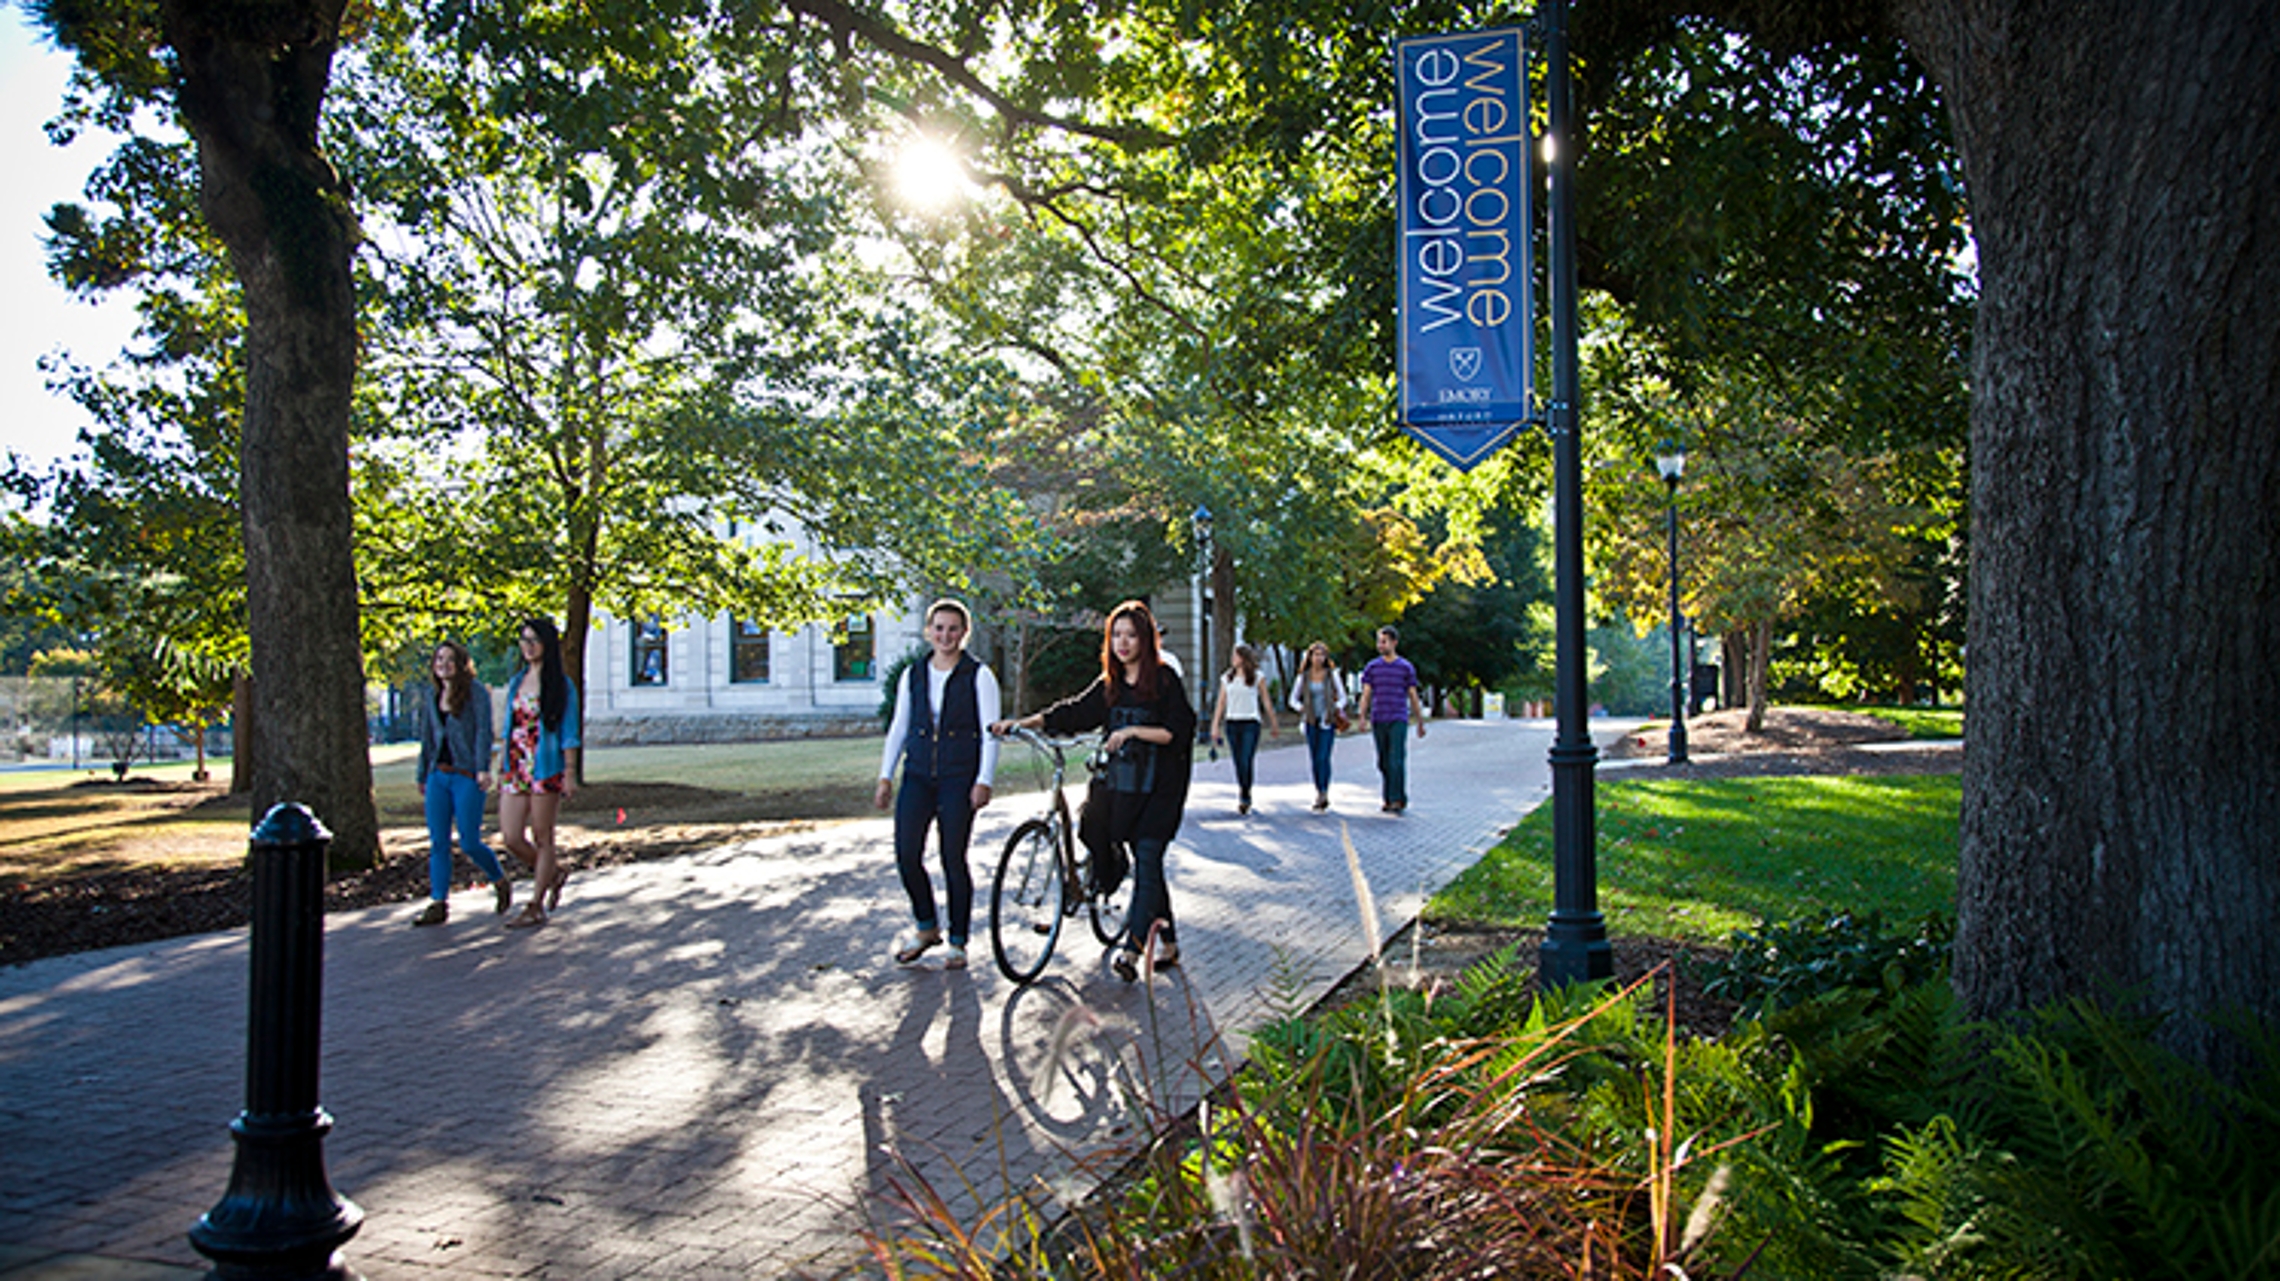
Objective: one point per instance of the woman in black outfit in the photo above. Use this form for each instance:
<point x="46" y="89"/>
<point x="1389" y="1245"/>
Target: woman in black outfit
<point x="1151" y="746"/>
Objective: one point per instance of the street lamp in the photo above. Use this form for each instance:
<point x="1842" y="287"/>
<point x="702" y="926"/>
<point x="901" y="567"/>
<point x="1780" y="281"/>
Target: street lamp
<point x="1670" y="460"/>
<point x="1200" y="521"/>
<point x="1575" y="948"/>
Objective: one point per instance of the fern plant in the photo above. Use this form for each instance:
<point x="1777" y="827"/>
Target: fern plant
<point x="1783" y="963"/>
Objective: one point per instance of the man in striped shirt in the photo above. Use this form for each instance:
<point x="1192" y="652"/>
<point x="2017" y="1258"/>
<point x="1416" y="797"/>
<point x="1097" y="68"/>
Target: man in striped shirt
<point x="1389" y="700"/>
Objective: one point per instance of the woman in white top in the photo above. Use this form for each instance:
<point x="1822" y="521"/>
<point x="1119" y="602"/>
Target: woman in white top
<point x="941" y="706"/>
<point x="1235" y="721"/>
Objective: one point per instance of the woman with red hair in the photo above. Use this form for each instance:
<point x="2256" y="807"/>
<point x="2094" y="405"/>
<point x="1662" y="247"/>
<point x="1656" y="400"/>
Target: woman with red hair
<point x="1150" y="748"/>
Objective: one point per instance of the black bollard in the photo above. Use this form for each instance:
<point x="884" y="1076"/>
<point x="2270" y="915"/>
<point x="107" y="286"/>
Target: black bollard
<point x="280" y="1217"/>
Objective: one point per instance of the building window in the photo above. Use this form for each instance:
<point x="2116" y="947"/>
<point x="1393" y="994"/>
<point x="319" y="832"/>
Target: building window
<point x="747" y="653"/>
<point x="853" y="649"/>
<point x="649" y="656"/>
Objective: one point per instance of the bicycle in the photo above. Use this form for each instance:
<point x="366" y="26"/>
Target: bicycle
<point x="1031" y="892"/>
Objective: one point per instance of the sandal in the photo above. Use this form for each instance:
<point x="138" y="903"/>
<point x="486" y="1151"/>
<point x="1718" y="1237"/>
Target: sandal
<point x="530" y="918"/>
<point x="504" y="890"/>
<point x="1167" y="954"/>
<point x="554" y="888"/>
<point x="912" y="944"/>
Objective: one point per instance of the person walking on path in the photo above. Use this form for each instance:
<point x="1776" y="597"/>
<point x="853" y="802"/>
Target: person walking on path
<point x="453" y="775"/>
<point x="1318" y="695"/>
<point x="1235" y="718"/>
<point x="1389" y="700"/>
<point x="948" y="766"/>
<point x="542" y="731"/>
<point x="1151" y="749"/>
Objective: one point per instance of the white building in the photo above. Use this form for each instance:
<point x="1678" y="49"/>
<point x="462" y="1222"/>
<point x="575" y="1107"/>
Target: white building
<point x="723" y="680"/>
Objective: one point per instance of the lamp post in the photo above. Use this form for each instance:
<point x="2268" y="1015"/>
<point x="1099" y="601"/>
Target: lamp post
<point x="1200" y="520"/>
<point x="1670" y="460"/>
<point x="1575" y="947"/>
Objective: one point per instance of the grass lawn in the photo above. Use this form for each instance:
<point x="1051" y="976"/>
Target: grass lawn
<point x="1920" y="722"/>
<point x="1697" y="859"/>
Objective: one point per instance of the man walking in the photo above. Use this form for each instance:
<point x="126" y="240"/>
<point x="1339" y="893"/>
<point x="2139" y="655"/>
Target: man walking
<point x="1389" y="699"/>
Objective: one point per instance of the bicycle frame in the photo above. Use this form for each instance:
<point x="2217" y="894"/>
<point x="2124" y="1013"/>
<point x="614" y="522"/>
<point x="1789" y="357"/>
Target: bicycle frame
<point x="1021" y="892"/>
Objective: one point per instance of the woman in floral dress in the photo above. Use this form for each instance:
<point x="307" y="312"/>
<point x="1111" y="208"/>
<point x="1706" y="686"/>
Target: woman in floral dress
<point x="542" y="731"/>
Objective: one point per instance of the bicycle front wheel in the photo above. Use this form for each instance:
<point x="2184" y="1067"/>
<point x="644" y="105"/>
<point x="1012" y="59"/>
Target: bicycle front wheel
<point x="1027" y="900"/>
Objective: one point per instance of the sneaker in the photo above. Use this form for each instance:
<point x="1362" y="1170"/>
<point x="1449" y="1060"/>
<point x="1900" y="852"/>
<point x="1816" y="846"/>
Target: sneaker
<point x="1321" y="802"/>
<point x="504" y="889"/>
<point x="912" y="944"/>
<point x="1126" y="963"/>
<point x="437" y="913"/>
<point x="955" y="957"/>
<point x="1167" y="954"/>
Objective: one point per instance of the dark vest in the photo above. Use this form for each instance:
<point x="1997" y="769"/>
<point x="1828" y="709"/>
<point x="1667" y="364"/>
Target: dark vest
<point x="948" y="745"/>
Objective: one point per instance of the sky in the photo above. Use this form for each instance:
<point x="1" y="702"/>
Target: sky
<point x="37" y="316"/>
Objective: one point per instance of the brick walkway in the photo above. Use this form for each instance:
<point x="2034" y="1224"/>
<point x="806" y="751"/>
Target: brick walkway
<point x="707" y="1066"/>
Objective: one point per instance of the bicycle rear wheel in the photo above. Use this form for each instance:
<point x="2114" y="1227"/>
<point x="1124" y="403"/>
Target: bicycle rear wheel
<point x="1108" y="909"/>
<point x="1028" y="899"/>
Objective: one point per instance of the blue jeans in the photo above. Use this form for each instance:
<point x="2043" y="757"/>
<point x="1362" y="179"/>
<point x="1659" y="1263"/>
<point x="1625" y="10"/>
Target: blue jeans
<point x="1243" y="745"/>
<point x="949" y="806"/>
<point x="1319" y="740"/>
<point x="1393" y="758"/>
<point x="449" y="798"/>
<point x="1151" y="897"/>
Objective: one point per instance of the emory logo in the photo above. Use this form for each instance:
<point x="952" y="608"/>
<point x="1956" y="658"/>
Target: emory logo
<point x="1464" y="362"/>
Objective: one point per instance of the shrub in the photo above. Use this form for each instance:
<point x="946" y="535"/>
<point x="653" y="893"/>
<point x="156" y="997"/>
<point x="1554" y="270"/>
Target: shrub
<point x="1783" y="964"/>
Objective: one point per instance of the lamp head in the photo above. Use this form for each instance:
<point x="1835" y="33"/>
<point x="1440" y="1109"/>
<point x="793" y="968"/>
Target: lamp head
<point x="1670" y="461"/>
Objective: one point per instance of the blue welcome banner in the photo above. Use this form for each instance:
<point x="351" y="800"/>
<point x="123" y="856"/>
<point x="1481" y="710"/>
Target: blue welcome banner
<point x="1467" y="306"/>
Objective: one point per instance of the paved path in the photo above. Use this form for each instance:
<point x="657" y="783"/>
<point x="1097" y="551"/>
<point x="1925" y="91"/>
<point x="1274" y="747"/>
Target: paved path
<point x="707" y="1066"/>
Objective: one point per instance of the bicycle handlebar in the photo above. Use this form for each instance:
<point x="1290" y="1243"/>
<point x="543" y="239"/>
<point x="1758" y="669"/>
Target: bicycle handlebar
<point x="1043" y="741"/>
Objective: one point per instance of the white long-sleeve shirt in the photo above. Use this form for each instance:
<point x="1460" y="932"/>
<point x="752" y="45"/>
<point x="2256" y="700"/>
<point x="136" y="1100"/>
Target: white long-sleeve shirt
<point x="937" y="681"/>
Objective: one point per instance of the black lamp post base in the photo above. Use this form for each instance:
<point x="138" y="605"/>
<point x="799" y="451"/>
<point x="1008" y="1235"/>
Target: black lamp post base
<point x="1575" y="950"/>
<point x="280" y="1217"/>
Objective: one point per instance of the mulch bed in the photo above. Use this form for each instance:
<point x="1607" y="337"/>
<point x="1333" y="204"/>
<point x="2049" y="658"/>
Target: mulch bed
<point x="146" y="904"/>
<point x="1423" y="954"/>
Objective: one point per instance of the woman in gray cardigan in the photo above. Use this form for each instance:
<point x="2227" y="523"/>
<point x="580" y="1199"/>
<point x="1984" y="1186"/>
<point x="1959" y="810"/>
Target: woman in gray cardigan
<point x="454" y="774"/>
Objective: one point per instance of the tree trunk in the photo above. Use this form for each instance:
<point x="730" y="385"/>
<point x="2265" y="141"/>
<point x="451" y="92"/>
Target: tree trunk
<point x="1017" y="666"/>
<point x="252" y="78"/>
<point x="577" y="629"/>
<point x="2121" y="812"/>
<point x="1761" y="665"/>
<point x="242" y="734"/>
<point x="1908" y="672"/>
